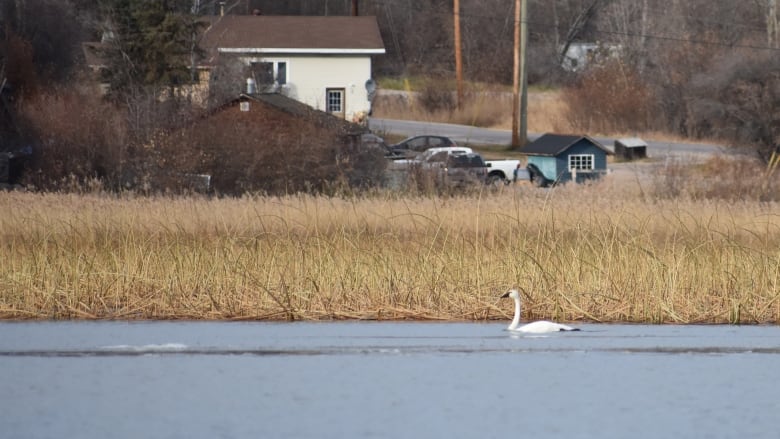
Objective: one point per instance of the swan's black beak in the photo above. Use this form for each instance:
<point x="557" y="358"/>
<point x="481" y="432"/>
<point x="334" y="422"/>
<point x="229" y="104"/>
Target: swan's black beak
<point x="505" y="295"/>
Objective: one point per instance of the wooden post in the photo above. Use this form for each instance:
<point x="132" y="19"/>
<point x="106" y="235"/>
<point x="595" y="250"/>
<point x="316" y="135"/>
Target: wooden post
<point x="520" y="82"/>
<point x="354" y="8"/>
<point x="516" y="80"/>
<point x="523" y="135"/>
<point x="458" y="59"/>
<point x="772" y="30"/>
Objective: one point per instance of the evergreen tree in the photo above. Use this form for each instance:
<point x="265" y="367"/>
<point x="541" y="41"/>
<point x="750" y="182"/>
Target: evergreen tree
<point x="150" y="43"/>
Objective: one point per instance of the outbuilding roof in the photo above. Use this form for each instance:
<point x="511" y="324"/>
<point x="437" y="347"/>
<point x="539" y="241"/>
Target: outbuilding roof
<point x="299" y="109"/>
<point x="631" y="142"/>
<point x="554" y="144"/>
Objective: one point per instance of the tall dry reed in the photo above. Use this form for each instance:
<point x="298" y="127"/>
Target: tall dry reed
<point x="596" y="253"/>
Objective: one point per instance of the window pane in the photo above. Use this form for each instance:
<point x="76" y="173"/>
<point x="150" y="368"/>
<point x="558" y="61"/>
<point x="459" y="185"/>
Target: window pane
<point x="334" y="101"/>
<point x="440" y="156"/>
<point x="263" y="72"/>
<point x="281" y="73"/>
<point x="418" y="144"/>
<point x="581" y="161"/>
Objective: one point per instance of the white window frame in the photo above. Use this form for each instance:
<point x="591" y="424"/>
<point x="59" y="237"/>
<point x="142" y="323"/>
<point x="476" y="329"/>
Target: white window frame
<point x="275" y="68"/>
<point x="342" y="96"/>
<point x="582" y="162"/>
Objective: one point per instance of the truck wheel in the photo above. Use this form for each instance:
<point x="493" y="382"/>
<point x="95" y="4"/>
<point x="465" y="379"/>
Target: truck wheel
<point x="540" y="181"/>
<point x="494" y="180"/>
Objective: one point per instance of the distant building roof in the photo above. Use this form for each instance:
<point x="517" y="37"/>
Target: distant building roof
<point x="269" y="34"/>
<point x="631" y="142"/>
<point x="554" y="144"/>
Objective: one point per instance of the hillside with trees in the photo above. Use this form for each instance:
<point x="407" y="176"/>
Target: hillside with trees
<point x="695" y="68"/>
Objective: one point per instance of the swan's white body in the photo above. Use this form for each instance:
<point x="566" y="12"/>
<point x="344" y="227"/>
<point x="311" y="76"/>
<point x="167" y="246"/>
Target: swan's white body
<point x="540" y="327"/>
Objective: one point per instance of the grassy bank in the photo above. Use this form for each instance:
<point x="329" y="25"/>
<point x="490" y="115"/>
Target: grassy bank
<point x="583" y="254"/>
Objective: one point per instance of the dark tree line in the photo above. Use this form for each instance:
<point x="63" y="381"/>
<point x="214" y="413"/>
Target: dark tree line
<point x="418" y="35"/>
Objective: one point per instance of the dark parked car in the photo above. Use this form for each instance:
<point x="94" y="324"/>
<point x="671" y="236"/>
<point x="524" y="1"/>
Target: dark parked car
<point x="412" y="146"/>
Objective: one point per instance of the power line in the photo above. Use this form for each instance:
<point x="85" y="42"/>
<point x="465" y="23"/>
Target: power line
<point x="547" y="25"/>
<point x="686" y="40"/>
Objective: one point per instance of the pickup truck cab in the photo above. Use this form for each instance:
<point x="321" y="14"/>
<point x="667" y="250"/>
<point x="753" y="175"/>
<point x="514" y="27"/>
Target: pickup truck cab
<point x="464" y="169"/>
<point x="456" y="165"/>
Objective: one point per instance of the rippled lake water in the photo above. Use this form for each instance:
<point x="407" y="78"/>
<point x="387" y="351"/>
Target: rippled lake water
<point x="385" y="380"/>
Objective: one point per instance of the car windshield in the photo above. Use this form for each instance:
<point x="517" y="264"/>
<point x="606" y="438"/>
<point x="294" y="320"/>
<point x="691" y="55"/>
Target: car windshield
<point x="467" y="161"/>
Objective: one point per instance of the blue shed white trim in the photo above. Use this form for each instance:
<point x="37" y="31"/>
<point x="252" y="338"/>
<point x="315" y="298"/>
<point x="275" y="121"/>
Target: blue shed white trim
<point x="555" y="158"/>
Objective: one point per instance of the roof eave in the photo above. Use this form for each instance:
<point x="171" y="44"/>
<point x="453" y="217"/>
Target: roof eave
<point x="310" y="51"/>
<point x="542" y="154"/>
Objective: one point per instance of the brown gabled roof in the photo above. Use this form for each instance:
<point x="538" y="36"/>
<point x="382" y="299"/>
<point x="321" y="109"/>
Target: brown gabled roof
<point x="293" y="34"/>
<point x="301" y="110"/>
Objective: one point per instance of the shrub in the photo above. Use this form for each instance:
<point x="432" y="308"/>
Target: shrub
<point x="437" y="95"/>
<point x="718" y="178"/>
<point x="610" y="98"/>
<point x="79" y="137"/>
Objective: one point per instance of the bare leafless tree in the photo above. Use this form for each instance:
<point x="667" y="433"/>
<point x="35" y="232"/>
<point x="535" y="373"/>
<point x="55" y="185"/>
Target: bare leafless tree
<point x="738" y="100"/>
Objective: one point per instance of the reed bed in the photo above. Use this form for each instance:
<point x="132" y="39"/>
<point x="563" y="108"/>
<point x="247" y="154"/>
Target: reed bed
<point x="584" y="253"/>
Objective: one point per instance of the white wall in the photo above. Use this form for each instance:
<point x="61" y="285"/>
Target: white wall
<point x="309" y="76"/>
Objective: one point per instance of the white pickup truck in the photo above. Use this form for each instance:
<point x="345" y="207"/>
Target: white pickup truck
<point x="504" y="171"/>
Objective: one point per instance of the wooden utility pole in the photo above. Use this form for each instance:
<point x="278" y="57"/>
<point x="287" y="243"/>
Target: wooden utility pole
<point x="520" y="81"/>
<point x="354" y="8"/>
<point x="772" y="28"/>
<point x="523" y="74"/>
<point x="458" y="58"/>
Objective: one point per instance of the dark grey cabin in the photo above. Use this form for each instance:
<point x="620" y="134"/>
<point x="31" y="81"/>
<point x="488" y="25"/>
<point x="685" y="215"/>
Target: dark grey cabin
<point x="557" y="158"/>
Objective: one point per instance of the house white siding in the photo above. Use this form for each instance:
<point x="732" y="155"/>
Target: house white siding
<point x="326" y="61"/>
<point x="309" y="77"/>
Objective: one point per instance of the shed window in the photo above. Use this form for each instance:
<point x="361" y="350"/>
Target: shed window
<point x="581" y="162"/>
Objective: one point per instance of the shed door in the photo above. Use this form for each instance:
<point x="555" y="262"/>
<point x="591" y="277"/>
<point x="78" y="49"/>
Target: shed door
<point x="334" y="101"/>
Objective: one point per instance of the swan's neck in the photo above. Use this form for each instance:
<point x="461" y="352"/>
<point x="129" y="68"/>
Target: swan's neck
<point x="516" y="319"/>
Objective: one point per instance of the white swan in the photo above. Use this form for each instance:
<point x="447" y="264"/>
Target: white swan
<point x="540" y="327"/>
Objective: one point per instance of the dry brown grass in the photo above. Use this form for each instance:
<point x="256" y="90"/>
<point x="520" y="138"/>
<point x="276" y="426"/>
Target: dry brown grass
<point x="483" y="108"/>
<point x="601" y="252"/>
<point x="548" y="112"/>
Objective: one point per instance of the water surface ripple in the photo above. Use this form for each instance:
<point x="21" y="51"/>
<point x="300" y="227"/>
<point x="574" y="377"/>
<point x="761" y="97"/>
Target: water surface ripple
<point x="385" y="380"/>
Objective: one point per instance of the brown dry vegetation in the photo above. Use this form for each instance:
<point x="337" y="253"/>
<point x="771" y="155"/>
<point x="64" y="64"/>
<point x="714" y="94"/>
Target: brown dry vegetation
<point x="485" y="108"/>
<point x="607" y="252"/>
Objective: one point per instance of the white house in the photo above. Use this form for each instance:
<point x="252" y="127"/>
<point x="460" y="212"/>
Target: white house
<point x="324" y="62"/>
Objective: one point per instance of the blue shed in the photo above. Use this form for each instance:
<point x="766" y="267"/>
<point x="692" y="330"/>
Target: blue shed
<point x="558" y="158"/>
